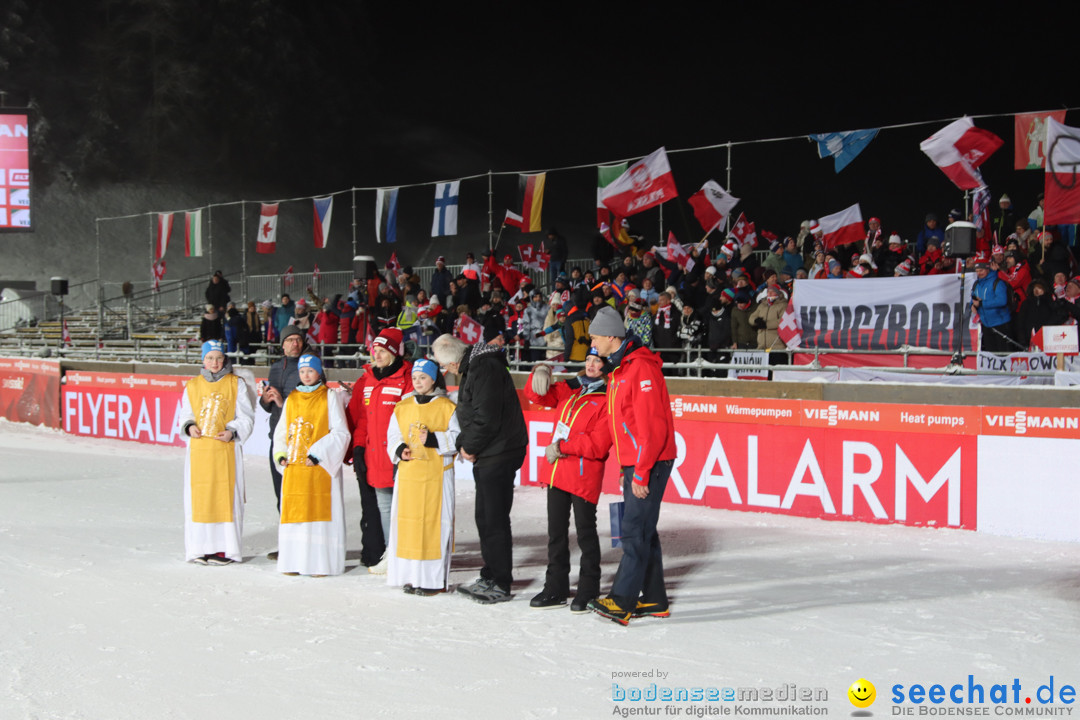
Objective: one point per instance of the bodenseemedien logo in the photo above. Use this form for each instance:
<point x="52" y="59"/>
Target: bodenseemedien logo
<point x="862" y="693"/>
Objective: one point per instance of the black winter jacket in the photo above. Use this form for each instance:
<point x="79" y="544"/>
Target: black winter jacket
<point x="488" y="408"/>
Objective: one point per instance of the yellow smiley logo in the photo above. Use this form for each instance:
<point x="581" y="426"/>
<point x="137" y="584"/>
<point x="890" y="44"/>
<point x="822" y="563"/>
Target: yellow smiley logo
<point x="862" y="693"/>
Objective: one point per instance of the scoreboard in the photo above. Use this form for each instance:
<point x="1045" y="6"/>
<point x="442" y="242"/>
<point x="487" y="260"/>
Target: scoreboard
<point x="14" y="173"/>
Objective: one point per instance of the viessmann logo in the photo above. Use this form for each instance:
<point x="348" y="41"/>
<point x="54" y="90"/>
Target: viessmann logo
<point x="833" y="415"/>
<point x="1022" y="420"/>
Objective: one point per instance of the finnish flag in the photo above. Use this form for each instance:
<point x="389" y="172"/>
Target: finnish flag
<point x="446" y="209"/>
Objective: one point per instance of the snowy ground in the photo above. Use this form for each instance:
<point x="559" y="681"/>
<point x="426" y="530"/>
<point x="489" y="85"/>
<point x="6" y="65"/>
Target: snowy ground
<point x="101" y="618"/>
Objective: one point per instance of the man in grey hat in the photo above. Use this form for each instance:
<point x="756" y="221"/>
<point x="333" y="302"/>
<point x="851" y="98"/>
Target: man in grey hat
<point x="643" y="434"/>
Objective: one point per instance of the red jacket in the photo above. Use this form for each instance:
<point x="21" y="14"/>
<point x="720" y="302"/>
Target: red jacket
<point x="328" y="327"/>
<point x="370" y="411"/>
<point x="642" y="427"/>
<point x="581" y="473"/>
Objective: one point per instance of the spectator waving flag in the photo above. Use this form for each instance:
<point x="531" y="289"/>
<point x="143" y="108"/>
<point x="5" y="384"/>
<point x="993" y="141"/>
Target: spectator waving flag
<point x="393" y="264"/>
<point x="959" y="149"/>
<point x="711" y="205"/>
<point x="743" y="231"/>
<point x="788" y="330"/>
<point x="446" y="209"/>
<point x="386" y="214"/>
<point x="677" y="254"/>
<point x="287" y="278"/>
<point x="843" y="147"/>
<point x="324" y="207"/>
<point x="1062" y="189"/>
<point x="164" y="230"/>
<point x="528" y="256"/>
<point x="646" y="184"/>
<point x="843" y="227"/>
<point x="981" y="213"/>
<point x="267" y="237"/>
<point x="193" y="233"/>
<point x="158" y="270"/>
<point x="315" y="273"/>
<point x="468" y="330"/>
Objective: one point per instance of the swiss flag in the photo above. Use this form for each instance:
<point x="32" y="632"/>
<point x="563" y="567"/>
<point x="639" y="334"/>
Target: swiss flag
<point x="267" y="241"/>
<point x="468" y="330"/>
<point x="788" y="330"/>
<point x="393" y="264"/>
<point x="743" y="231"/>
<point x="528" y="256"/>
<point x="543" y="258"/>
<point x="645" y="184"/>
<point x="677" y="254"/>
<point x="843" y="227"/>
<point x="959" y="149"/>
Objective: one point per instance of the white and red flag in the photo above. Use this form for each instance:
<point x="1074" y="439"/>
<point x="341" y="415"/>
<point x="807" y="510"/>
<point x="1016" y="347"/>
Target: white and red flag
<point x="788" y="330"/>
<point x="959" y="149"/>
<point x="468" y="330"/>
<point x="528" y="256"/>
<point x="164" y="230"/>
<point x="287" y="278"/>
<point x="267" y="239"/>
<point x="677" y="254"/>
<point x="393" y="264"/>
<point x="158" y="270"/>
<point x="647" y="183"/>
<point x="543" y="258"/>
<point x="743" y="231"/>
<point x="712" y="204"/>
<point x="842" y="228"/>
<point x="1062" y="191"/>
<point x="65" y="335"/>
<point x="514" y="220"/>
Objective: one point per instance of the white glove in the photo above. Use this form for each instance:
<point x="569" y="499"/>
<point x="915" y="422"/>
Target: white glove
<point x="541" y="379"/>
<point x="552" y="452"/>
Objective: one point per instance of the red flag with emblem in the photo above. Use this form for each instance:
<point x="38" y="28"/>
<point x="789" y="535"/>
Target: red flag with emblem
<point x="468" y="330"/>
<point x="677" y="254"/>
<point x="788" y="330"/>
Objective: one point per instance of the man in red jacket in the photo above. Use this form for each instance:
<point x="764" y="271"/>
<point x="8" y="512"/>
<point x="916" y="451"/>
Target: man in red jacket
<point x="643" y="432"/>
<point x="385" y="380"/>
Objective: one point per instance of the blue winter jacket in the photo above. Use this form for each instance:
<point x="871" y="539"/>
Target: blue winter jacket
<point x="993" y="292"/>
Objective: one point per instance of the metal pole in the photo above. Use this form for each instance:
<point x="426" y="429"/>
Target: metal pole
<point x="354" y="222"/>
<point x="491" y="193"/>
<point x="727" y="220"/>
<point x="243" y="250"/>
<point x="661" y="240"/>
<point x="101" y="287"/>
<point x="210" y="238"/>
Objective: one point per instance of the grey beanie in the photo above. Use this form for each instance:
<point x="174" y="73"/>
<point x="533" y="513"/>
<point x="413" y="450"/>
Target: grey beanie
<point x="607" y="323"/>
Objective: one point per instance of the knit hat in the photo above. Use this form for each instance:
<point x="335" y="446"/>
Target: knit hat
<point x="895" y="239"/>
<point x="815" y="227"/>
<point x="904" y="268"/>
<point x="310" y="361"/>
<point x="593" y="352"/>
<point x="729" y="292"/>
<point x="212" y="346"/>
<point x="859" y="271"/>
<point x="982" y="260"/>
<point x="426" y="367"/>
<point x="440" y="259"/>
<point x="390" y="340"/>
<point x="289" y="331"/>
<point x="607" y="323"/>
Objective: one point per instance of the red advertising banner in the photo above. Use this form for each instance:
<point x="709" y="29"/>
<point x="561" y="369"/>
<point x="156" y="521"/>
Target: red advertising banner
<point x="29" y="391"/>
<point x="14" y="172"/>
<point x="142" y="408"/>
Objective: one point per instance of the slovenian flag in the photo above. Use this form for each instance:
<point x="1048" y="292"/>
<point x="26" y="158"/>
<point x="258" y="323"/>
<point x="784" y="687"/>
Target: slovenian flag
<point x="193" y="233"/>
<point x="386" y="214"/>
<point x="324" y="207"/>
<point x="267" y="238"/>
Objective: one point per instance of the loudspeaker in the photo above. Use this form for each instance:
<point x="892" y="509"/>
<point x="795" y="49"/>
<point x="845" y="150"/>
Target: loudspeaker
<point x="960" y="240"/>
<point x="365" y="267"/>
<point x="59" y="286"/>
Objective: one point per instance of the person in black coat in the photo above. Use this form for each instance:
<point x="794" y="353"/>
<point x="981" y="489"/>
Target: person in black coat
<point x="1042" y="308"/>
<point x="217" y="292"/>
<point x="494" y="438"/>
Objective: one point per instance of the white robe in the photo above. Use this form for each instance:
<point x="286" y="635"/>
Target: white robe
<point x="430" y="574"/>
<point x="210" y="538"/>
<point x="318" y="548"/>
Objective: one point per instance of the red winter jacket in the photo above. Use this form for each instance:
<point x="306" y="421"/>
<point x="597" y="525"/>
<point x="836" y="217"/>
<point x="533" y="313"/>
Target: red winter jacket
<point x="370" y="411"/>
<point x="642" y="427"/>
<point x="581" y="473"/>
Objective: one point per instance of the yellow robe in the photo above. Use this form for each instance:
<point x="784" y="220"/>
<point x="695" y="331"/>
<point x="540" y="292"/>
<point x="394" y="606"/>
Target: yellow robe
<point x="213" y="463"/>
<point x="419" y="482"/>
<point x="305" y="491"/>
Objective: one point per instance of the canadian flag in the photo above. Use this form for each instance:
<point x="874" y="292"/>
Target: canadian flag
<point x="743" y="231"/>
<point x="959" y="149"/>
<point x="842" y="228"/>
<point x="711" y="205"/>
<point x="468" y="330"/>
<point x="1062" y="191"/>
<point x="645" y="184"/>
<point x="788" y="330"/>
<point x="267" y="241"/>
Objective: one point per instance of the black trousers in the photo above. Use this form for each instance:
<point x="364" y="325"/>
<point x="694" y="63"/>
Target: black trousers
<point x="372" y="543"/>
<point x="557" y="581"/>
<point x="494" y="498"/>
<point x="275" y="474"/>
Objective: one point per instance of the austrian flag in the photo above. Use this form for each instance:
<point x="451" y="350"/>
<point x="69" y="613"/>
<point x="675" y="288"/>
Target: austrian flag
<point x="267" y="238"/>
<point x="647" y="183"/>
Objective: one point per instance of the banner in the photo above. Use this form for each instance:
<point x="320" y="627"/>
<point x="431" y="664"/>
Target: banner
<point x="143" y="408"/>
<point x="750" y="357"/>
<point x="1029" y="136"/>
<point x="883" y="313"/>
<point x="30" y="390"/>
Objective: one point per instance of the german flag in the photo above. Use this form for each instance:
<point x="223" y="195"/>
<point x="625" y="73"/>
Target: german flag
<point x="531" y="190"/>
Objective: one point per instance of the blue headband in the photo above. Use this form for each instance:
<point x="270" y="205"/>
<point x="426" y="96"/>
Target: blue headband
<point x="212" y="346"/>
<point x="427" y="367"/>
<point x="310" y="361"/>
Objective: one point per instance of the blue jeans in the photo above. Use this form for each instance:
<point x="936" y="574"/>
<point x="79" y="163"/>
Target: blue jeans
<point x="641" y="570"/>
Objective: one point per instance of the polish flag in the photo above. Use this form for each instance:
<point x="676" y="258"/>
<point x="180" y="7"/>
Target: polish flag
<point x="1062" y="191"/>
<point x="959" y="149"/>
<point x="647" y="183"/>
<point x="514" y="220"/>
<point x="267" y="240"/>
<point x="711" y="205"/>
<point x="843" y="227"/>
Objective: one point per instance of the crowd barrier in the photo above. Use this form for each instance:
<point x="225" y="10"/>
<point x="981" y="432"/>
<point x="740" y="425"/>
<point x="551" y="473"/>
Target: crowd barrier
<point x="987" y="468"/>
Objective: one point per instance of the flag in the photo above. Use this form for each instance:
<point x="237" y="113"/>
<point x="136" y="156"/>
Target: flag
<point x="711" y="205"/>
<point x="843" y="147"/>
<point x="468" y="330"/>
<point x="315" y="273"/>
<point x="386" y="214"/>
<point x="647" y="183"/>
<point x="1029" y="135"/>
<point x="981" y="212"/>
<point x="531" y="191"/>
<point x="287" y="278"/>
<point x="842" y="228"/>
<point x="446" y="209"/>
<point x="528" y="256"/>
<point x="193" y="234"/>
<point x="605" y="175"/>
<point x="1062" y="188"/>
<point x="959" y="149"/>
<point x="677" y="254"/>
<point x="543" y="258"/>
<point x="158" y="271"/>
<point x="514" y="220"/>
<point x="743" y="231"/>
<point x="266" y="239"/>
<point x="164" y="230"/>
<point x="393" y="264"/>
<point x="324" y="207"/>
<point x="313" y="329"/>
<point x="788" y="330"/>
<point x="65" y="336"/>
